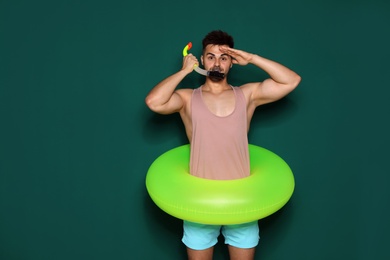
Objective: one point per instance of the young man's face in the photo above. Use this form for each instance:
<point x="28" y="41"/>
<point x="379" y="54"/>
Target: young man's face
<point x="215" y="60"/>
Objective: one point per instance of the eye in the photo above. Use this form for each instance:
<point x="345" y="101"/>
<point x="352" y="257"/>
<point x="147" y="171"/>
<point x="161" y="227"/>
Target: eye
<point x="210" y="57"/>
<point x="224" y="58"/>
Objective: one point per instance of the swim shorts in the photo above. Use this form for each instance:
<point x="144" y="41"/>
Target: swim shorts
<point x="199" y="236"/>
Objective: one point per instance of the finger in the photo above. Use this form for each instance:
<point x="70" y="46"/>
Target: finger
<point x="228" y="49"/>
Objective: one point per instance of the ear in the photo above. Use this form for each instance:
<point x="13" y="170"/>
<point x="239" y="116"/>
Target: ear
<point x="201" y="59"/>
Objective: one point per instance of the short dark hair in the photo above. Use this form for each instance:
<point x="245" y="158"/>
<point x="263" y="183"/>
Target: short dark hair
<point x="218" y="37"/>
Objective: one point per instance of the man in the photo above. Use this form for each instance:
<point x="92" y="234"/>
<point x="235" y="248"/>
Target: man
<point x="217" y="117"/>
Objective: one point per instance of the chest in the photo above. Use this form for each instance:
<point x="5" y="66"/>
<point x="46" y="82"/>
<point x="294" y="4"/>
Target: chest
<point x="220" y="104"/>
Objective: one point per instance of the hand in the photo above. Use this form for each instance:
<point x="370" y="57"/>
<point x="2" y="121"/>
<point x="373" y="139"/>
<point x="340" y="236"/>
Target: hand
<point x="189" y="62"/>
<point x="238" y="57"/>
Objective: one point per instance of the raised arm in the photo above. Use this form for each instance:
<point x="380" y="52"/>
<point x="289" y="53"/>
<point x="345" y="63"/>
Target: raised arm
<point x="163" y="98"/>
<point x="281" y="82"/>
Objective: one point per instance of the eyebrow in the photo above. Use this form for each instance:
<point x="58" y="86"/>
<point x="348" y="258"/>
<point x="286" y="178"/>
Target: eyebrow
<point x="223" y="54"/>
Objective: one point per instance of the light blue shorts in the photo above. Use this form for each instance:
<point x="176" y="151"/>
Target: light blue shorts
<point x="199" y="236"/>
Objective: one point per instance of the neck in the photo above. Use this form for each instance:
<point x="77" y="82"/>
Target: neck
<point x="213" y="86"/>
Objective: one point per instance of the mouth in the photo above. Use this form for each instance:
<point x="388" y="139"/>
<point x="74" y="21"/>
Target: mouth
<point x="216" y="74"/>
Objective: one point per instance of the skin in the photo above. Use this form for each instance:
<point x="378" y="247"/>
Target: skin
<point x="219" y="97"/>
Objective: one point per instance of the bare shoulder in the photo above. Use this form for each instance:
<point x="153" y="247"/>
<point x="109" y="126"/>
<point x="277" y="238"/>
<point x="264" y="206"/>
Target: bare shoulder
<point x="185" y="94"/>
<point x="249" y="87"/>
<point x="249" y="90"/>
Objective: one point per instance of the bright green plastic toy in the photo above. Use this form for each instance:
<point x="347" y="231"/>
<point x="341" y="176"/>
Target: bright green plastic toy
<point x="222" y="202"/>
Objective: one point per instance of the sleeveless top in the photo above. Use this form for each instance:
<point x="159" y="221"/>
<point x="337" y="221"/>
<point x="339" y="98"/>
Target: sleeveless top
<point x="219" y="145"/>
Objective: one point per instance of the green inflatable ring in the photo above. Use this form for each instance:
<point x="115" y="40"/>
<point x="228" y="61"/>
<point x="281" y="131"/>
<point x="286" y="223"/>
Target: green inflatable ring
<point x="222" y="202"/>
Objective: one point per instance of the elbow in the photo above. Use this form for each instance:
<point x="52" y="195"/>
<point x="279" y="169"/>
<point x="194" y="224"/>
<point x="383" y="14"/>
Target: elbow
<point x="295" y="81"/>
<point x="150" y="104"/>
<point x="153" y="105"/>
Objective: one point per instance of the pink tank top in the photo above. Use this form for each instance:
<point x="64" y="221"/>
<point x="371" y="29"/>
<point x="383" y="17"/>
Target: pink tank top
<point x="219" y="145"/>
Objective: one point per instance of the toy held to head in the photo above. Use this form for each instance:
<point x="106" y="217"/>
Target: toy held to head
<point x="210" y="73"/>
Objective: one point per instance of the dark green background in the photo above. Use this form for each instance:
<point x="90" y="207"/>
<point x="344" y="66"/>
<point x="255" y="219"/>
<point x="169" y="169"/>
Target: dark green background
<point x="76" y="138"/>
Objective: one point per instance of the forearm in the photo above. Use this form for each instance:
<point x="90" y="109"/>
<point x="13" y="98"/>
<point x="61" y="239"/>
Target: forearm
<point x="164" y="90"/>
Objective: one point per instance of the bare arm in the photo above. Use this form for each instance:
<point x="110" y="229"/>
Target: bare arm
<point x="281" y="82"/>
<point x="163" y="98"/>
